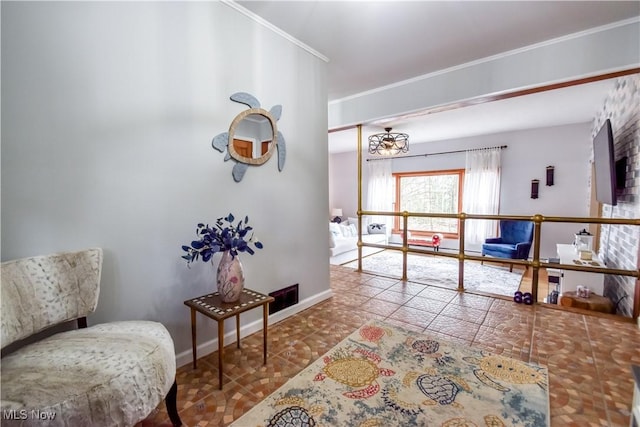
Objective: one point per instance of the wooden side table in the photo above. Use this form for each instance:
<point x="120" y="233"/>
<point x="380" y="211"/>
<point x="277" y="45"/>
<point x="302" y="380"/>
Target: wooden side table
<point x="212" y="306"/>
<point x="594" y="302"/>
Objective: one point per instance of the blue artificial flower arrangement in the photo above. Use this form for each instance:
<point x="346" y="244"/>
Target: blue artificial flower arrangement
<point x="223" y="236"/>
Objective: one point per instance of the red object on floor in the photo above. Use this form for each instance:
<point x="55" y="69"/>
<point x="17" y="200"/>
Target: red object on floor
<point x="432" y="242"/>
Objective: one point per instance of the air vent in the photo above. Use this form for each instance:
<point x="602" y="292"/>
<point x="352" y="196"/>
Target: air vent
<point x="285" y="297"/>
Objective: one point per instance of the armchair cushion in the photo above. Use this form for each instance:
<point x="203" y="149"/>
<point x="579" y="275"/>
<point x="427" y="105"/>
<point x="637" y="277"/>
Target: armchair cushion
<point x="78" y="376"/>
<point x="42" y="291"/>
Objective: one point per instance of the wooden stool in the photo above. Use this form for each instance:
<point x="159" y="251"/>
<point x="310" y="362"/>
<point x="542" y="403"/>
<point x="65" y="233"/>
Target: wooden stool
<point x="594" y="302"/>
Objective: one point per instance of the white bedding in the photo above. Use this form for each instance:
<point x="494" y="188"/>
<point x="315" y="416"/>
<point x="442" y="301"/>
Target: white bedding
<point x="343" y="243"/>
<point x="346" y="244"/>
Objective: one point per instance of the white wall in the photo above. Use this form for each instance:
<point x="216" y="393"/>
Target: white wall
<point x="528" y="154"/>
<point x="108" y="111"/>
<point x="343" y="183"/>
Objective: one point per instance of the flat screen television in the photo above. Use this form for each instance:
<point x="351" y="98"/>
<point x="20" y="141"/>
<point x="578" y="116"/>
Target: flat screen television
<point x="605" y="166"/>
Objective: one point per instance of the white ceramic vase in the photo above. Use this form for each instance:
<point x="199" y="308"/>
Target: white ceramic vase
<point x="230" y="277"/>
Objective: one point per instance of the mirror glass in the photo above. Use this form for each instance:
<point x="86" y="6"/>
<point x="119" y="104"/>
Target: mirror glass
<point x="251" y="139"/>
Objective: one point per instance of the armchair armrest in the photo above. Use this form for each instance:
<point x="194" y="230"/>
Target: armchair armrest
<point x="493" y="240"/>
<point x="522" y="250"/>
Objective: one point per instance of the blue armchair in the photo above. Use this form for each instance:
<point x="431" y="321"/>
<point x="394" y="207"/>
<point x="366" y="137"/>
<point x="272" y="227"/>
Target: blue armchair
<point x="514" y="241"/>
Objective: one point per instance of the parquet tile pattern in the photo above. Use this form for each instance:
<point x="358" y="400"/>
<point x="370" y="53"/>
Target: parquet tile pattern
<point x="588" y="355"/>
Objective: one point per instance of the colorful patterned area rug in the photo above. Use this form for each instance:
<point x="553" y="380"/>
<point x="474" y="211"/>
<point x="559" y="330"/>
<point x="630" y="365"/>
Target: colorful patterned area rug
<point x="443" y="272"/>
<point x="383" y="375"/>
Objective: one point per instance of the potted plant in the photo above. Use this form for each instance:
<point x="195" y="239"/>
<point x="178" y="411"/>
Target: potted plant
<point x="229" y="239"/>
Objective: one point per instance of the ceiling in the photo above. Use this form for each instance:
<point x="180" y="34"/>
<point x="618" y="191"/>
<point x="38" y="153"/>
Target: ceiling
<point x="371" y="44"/>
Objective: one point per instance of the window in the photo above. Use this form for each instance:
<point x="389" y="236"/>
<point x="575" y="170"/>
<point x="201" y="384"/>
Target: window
<point x="430" y="192"/>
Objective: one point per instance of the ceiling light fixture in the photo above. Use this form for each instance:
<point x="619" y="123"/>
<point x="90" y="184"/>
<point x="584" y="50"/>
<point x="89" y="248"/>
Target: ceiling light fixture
<point x="388" y="144"/>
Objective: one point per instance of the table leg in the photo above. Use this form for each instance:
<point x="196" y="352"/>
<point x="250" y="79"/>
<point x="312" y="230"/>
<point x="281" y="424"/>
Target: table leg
<point x="193" y="337"/>
<point x="265" y="313"/>
<point x="220" y="349"/>
<point x="238" y="329"/>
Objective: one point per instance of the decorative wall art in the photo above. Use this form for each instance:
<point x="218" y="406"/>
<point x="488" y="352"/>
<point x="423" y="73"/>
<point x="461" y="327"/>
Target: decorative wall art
<point x="253" y="136"/>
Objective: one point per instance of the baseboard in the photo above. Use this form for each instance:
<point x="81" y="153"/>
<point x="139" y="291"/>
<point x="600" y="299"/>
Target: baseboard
<point x="186" y="357"/>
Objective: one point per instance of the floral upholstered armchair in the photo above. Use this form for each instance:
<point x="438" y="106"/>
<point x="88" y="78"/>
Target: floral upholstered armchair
<point x="110" y="374"/>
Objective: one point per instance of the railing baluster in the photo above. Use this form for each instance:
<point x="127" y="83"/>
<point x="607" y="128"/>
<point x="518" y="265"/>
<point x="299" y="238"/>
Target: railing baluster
<point x="405" y="243"/>
<point x="462" y="218"/>
<point x="537" y="231"/>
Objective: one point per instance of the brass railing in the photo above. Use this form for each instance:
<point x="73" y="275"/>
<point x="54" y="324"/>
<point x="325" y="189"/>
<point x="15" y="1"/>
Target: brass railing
<point x="535" y="263"/>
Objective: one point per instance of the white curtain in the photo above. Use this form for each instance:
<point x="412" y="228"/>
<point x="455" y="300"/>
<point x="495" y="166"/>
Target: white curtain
<point x="481" y="193"/>
<point x="380" y="191"/>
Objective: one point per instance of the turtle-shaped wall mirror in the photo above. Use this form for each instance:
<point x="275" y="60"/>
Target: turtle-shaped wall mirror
<point x="253" y="136"/>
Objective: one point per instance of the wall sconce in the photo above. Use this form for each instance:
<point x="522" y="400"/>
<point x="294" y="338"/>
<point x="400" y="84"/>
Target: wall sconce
<point x="535" y="184"/>
<point x="550" y="170"/>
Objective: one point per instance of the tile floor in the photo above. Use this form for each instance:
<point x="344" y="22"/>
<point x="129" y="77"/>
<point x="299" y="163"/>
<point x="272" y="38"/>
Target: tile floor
<point x="588" y="356"/>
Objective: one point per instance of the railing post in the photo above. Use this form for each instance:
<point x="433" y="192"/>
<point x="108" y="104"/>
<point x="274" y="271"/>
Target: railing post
<point x="405" y="246"/>
<point x="359" y="244"/>
<point x="537" y="229"/>
<point x="462" y="217"/>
